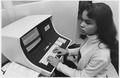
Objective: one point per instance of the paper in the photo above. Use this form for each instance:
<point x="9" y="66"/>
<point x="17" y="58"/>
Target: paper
<point x="17" y="70"/>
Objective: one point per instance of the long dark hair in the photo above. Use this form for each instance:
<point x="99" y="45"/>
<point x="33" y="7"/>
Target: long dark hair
<point x="106" y="30"/>
<point x="103" y="16"/>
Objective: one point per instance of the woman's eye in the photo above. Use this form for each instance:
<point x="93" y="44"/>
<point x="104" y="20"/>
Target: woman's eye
<point x="88" y="22"/>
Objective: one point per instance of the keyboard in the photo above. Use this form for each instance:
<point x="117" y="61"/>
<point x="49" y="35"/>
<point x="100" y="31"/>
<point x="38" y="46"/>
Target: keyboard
<point x="57" y="43"/>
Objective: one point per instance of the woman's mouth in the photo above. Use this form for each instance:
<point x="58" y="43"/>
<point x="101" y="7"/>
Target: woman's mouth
<point x="82" y="31"/>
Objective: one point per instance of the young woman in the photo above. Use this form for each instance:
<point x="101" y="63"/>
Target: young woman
<point x="97" y="24"/>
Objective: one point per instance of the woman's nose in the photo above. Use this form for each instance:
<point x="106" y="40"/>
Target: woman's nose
<point x="82" y="25"/>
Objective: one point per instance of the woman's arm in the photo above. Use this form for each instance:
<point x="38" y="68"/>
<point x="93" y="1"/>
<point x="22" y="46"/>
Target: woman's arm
<point x="96" y="65"/>
<point x="73" y="51"/>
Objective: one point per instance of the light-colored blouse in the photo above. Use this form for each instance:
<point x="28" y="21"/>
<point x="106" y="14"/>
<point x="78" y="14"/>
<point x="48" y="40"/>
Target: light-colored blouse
<point x="94" y="62"/>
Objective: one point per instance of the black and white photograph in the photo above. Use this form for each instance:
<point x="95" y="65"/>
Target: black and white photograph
<point x="60" y="38"/>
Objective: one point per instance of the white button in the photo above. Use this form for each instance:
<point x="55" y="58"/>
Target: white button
<point x="58" y="43"/>
<point x="62" y="40"/>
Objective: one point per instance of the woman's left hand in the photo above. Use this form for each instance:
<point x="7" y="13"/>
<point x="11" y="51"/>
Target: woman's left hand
<point x="53" y="60"/>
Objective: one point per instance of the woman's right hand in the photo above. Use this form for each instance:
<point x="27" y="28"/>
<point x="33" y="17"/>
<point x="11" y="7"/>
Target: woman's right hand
<point x="60" y="51"/>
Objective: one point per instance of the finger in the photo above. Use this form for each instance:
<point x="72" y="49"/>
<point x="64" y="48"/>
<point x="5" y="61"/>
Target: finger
<point x="56" y="57"/>
<point x="60" y="53"/>
<point x="50" y="59"/>
<point x="56" y="48"/>
<point x="50" y="56"/>
<point x="50" y="62"/>
<point x="55" y="51"/>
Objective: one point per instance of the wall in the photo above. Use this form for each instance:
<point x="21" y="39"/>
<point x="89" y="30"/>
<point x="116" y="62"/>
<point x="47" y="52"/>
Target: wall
<point x="5" y="18"/>
<point x="114" y="5"/>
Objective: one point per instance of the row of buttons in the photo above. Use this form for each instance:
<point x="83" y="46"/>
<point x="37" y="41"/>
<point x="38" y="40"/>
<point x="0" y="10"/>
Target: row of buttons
<point x="58" y="43"/>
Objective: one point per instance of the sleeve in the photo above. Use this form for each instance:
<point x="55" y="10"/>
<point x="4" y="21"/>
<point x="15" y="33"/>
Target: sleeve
<point x="95" y="66"/>
<point x="73" y="51"/>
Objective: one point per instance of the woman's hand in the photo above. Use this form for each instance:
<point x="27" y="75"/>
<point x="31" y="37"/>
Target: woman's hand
<point x="60" y="51"/>
<point x="53" y="60"/>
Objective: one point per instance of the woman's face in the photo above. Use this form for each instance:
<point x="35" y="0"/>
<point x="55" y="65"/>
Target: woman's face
<point x="87" y="26"/>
